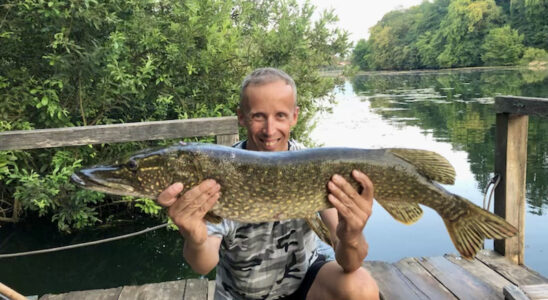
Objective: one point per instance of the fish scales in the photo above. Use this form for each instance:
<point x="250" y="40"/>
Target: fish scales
<point x="270" y="186"/>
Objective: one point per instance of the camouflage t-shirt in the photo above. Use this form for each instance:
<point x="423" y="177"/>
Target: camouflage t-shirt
<point x="262" y="260"/>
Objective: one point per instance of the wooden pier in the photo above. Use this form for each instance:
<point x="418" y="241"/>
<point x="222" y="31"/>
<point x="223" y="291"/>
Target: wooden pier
<point x="489" y="276"/>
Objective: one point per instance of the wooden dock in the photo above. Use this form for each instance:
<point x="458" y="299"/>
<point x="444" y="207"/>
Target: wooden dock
<point x="489" y="276"/>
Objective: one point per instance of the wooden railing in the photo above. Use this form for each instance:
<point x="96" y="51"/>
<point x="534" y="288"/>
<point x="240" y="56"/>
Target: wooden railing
<point x="225" y="130"/>
<point x="511" y="162"/>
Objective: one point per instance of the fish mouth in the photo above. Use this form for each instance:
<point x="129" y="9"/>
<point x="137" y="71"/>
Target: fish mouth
<point x="112" y="185"/>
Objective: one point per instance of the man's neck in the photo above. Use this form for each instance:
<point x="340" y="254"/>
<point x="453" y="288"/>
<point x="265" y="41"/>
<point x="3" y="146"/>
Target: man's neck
<point x="244" y="146"/>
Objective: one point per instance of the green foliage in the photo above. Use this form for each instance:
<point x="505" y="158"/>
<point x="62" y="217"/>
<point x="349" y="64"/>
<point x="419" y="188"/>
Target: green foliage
<point x="533" y="54"/>
<point x="454" y="33"/>
<point x="73" y="63"/>
<point x="147" y="206"/>
<point x="361" y="55"/>
<point x="502" y="46"/>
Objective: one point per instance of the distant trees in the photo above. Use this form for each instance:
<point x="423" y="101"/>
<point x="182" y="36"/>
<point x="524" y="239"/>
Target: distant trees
<point x="454" y="33"/>
<point x="502" y="46"/>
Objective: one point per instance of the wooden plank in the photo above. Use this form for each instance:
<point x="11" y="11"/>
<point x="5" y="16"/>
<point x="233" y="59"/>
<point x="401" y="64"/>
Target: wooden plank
<point x="115" y="133"/>
<point x="196" y="289"/>
<point x="422" y="279"/>
<point x="106" y="294"/>
<point x="227" y="139"/>
<point x="211" y="290"/>
<point x="496" y="281"/>
<point x="511" y="163"/>
<point x="459" y="281"/>
<point x="393" y="285"/>
<point x="513" y="292"/>
<point x="518" y="275"/>
<point x="522" y="105"/>
<point x="153" y="291"/>
<point x="536" y="292"/>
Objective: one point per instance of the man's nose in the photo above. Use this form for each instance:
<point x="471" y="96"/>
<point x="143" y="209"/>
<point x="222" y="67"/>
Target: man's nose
<point x="269" y="126"/>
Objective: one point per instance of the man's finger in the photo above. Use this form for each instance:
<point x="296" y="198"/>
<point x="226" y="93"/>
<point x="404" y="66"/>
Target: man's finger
<point x="169" y="195"/>
<point x="367" y="184"/>
<point x="367" y="192"/>
<point x="344" y="190"/>
<point x="201" y="188"/>
<point x="195" y="198"/>
<point x="208" y="204"/>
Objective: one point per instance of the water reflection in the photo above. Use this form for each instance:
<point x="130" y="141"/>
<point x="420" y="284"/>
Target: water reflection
<point x="452" y="113"/>
<point x="457" y="107"/>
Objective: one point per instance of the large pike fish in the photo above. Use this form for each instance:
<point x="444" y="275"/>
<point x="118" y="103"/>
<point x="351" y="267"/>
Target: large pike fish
<point x="269" y="186"/>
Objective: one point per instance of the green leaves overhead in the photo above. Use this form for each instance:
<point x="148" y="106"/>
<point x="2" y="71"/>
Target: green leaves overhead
<point x="72" y="63"/>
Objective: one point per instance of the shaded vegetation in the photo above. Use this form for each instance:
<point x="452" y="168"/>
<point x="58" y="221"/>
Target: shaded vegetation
<point x="71" y="63"/>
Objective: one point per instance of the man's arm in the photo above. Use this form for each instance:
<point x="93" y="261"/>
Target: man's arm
<point x="187" y="212"/>
<point x="347" y="220"/>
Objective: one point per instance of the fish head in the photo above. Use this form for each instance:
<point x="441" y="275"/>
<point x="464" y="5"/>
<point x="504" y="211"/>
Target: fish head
<point x="145" y="174"/>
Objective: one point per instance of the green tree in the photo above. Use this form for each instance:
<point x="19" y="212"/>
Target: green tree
<point x="463" y="29"/>
<point x="71" y="63"/>
<point x="502" y="46"/>
<point x="361" y="55"/>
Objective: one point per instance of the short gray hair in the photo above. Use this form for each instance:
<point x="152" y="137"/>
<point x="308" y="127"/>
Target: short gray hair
<point x="263" y="76"/>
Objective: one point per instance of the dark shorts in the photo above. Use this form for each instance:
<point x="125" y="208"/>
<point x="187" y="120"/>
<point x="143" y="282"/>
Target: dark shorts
<point x="302" y="291"/>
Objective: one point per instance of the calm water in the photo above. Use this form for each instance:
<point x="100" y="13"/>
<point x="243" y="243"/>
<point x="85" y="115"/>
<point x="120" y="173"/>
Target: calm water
<point x="448" y="112"/>
<point x="451" y="113"/>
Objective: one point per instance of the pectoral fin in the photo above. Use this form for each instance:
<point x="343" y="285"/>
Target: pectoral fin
<point x="213" y="218"/>
<point x="430" y="164"/>
<point x="317" y="225"/>
<point x="407" y="213"/>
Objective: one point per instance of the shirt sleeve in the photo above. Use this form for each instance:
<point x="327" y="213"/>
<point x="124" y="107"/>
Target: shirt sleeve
<point x="222" y="230"/>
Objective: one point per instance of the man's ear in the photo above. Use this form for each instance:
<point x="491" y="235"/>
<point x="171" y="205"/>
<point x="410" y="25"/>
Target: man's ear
<point x="241" y="117"/>
<point x="295" y="116"/>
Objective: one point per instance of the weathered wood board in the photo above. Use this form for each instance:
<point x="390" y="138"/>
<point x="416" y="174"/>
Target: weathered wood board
<point x="489" y="276"/>
<point x="227" y="127"/>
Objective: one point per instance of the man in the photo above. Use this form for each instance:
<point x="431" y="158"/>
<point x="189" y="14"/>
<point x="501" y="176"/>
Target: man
<point x="276" y="260"/>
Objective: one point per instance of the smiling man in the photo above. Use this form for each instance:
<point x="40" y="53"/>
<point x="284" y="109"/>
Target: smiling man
<point x="276" y="260"/>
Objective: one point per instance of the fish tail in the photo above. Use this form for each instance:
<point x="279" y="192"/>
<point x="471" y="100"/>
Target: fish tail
<point x="473" y="226"/>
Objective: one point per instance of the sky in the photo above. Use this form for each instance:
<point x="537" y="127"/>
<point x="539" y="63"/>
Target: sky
<point x="357" y="16"/>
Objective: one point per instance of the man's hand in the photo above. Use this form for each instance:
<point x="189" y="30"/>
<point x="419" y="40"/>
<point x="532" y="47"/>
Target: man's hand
<point x="188" y="210"/>
<point x="353" y="211"/>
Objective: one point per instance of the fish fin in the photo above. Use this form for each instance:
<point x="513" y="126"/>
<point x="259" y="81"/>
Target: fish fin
<point x="476" y="224"/>
<point x="318" y="226"/>
<point x="430" y="164"/>
<point x="405" y="212"/>
<point x="213" y="218"/>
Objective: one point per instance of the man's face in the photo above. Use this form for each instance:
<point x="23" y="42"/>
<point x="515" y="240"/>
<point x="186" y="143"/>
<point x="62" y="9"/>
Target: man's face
<point x="268" y="116"/>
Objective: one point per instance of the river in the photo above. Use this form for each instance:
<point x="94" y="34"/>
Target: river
<point x="450" y="112"/>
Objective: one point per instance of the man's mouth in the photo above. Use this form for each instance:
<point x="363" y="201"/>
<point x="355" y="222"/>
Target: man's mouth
<point x="270" y="142"/>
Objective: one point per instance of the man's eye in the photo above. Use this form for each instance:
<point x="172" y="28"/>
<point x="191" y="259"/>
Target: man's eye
<point x="257" y="117"/>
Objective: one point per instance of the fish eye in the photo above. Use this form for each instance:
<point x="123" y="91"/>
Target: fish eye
<point x="132" y="165"/>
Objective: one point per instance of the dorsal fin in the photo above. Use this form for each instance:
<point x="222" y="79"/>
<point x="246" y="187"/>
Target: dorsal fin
<point x="430" y="164"/>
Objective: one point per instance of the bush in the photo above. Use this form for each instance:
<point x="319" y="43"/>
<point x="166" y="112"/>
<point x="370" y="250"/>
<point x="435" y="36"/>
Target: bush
<point x="534" y="54"/>
<point x="502" y="46"/>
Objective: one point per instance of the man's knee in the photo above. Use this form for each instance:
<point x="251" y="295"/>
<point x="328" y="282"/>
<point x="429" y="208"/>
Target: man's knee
<point x="333" y="283"/>
<point x="360" y="285"/>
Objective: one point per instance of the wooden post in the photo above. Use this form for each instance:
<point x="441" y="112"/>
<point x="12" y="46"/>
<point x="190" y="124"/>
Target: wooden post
<point x="227" y="139"/>
<point x="511" y="163"/>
